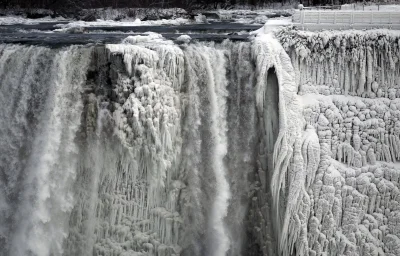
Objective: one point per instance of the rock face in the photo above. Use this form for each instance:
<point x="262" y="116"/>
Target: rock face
<point x="239" y="148"/>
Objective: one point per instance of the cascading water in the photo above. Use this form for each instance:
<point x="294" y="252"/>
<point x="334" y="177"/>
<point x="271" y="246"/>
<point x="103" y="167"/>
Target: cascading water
<point x="152" y="148"/>
<point x="131" y="156"/>
<point x="124" y="148"/>
<point x="40" y="98"/>
<point x="214" y="62"/>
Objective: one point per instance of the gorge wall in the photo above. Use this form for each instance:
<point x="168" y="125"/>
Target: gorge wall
<point x="283" y="145"/>
<point x="349" y="87"/>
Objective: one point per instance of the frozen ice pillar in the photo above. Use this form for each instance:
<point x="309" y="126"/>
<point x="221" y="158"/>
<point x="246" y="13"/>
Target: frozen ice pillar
<point x="280" y="155"/>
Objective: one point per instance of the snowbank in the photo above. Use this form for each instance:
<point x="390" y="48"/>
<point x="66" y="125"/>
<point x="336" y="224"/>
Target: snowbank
<point x="11" y="20"/>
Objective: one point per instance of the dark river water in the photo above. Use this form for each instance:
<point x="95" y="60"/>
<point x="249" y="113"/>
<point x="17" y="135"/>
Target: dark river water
<point x="43" y="34"/>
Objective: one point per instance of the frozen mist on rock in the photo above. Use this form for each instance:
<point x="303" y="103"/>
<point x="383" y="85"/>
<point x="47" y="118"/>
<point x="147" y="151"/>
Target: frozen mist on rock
<point x="250" y="148"/>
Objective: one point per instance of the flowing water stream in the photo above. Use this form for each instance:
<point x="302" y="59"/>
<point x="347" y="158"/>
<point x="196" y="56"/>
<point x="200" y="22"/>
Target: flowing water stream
<point x="125" y="149"/>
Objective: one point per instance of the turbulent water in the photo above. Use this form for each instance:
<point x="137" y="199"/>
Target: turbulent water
<point x="202" y="149"/>
<point x="145" y="149"/>
<point x="41" y="114"/>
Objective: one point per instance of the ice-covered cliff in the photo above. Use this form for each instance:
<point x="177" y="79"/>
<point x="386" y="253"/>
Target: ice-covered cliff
<point x="282" y="145"/>
<point x="349" y="87"/>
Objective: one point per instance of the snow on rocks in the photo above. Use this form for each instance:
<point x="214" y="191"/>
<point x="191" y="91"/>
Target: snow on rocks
<point x="11" y="20"/>
<point x="128" y="14"/>
<point x="200" y="18"/>
<point x="148" y="37"/>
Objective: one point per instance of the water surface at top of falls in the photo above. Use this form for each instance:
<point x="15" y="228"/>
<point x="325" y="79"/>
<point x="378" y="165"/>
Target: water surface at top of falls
<point x="50" y="34"/>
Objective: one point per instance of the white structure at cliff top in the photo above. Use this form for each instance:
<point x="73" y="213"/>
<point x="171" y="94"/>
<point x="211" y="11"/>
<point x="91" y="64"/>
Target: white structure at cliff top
<point x="317" y="19"/>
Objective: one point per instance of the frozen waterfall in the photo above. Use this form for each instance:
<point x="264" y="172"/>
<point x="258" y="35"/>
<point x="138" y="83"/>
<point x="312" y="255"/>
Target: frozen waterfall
<point x="251" y="148"/>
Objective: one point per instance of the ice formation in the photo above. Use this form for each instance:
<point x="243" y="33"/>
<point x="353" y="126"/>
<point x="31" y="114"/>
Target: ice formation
<point x="287" y="159"/>
<point x="283" y="145"/>
<point x="349" y="89"/>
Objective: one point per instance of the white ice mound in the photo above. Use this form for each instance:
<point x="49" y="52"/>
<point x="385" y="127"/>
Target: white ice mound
<point x="148" y="37"/>
<point x="184" y="39"/>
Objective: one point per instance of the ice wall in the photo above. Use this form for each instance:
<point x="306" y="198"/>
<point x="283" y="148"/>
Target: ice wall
<point x="348" y="84"/>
